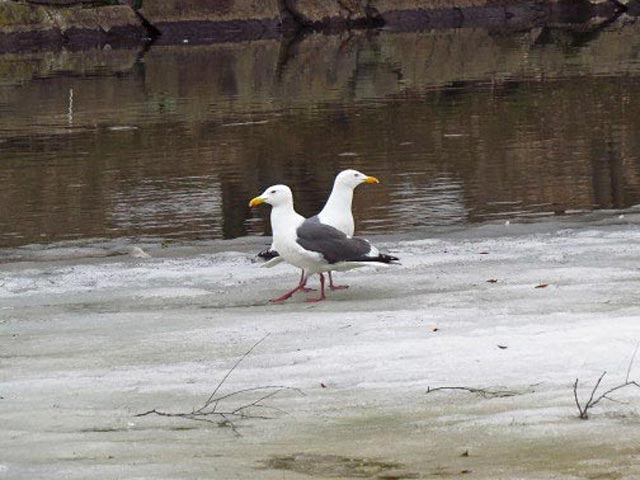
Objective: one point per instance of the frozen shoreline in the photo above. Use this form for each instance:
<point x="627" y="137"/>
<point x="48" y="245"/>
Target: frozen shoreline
<point x="90" y="342"/>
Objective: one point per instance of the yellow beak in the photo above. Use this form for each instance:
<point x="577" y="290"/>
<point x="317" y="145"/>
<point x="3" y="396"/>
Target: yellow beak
<point x="371" y="180"/>
<point x="256" y="201"/>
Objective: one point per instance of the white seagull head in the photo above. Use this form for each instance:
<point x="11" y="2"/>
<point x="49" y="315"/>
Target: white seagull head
<point x="352" y="178"/>
<point x="275" y="195"/>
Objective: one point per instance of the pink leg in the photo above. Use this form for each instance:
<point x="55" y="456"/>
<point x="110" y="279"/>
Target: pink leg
<point x="322" y="297"/>
<point x="304" y="288"/>
<point x="301" y="284"/>
<point x="336" y="287"/>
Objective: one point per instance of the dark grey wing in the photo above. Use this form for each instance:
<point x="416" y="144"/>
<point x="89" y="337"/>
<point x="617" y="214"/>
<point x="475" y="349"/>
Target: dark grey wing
<point x="334" y="245"/>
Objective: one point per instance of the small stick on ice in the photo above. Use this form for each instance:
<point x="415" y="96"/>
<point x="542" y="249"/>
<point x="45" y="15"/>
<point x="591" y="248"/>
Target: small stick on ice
<point x="224" y="417"/>
<point x="583" y="410"/>
<point x="490" y="392"/>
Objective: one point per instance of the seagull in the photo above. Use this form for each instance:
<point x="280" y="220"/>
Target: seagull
<point x="335" y="213"/>
<point x="312" y="245"/>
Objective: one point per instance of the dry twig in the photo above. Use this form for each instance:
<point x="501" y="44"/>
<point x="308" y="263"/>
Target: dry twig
<point x="490" y="392"/>
<point x="212" y="411"/>
<point x="583" y="410"/>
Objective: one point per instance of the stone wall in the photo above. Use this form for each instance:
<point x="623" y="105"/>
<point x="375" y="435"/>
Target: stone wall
<point x="29" y="24"/>
<point x="26" y="26"/>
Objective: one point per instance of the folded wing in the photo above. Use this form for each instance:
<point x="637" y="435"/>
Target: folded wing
<point x="335" y="246"/>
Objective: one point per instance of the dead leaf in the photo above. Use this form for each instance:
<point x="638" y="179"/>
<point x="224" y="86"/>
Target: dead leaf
<point x="492" y="280"/>
<point x="502" y="347"/>
<point x="542" y="285"/>
<point x="323" y="385"/>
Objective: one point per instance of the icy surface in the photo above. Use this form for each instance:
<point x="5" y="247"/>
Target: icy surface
<point x="88" y="341"/>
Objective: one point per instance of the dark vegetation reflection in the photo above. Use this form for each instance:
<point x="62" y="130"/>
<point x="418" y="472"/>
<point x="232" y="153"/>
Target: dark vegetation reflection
<point x="460" y="126"/>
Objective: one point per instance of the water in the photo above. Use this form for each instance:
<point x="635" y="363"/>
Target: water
<point x="460" y="126"/>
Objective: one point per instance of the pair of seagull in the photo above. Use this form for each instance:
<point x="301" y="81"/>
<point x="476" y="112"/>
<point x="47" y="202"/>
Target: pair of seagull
<point x="324" y="242"/>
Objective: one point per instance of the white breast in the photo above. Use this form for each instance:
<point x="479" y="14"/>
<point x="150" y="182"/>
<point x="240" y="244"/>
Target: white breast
<point x="284" y="227"/>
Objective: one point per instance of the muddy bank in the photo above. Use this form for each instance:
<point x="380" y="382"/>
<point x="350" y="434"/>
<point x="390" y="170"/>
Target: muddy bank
<point x="38" y="24"/>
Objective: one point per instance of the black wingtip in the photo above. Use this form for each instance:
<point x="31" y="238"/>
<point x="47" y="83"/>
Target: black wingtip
<point x="384" y="258"/>
<point x="381" y="258"/>
<point x="268" y="254"/>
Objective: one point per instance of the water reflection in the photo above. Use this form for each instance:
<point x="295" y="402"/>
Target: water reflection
<point x="460" y="125"/>
<point x="155" y="204"/>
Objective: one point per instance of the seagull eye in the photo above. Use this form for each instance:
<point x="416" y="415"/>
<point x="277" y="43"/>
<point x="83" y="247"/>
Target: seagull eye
<point x="355" y="174"/>
<point x="272" y="191"/>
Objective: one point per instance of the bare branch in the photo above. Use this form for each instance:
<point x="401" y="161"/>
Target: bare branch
<point x="491" y="392"/>
<point x="210" y="407"/>
<point x="633" y="358"/>
<point x="575" y="396"/>
<point x="605" y="397"/>
<point x="594" y="400"/>
<point x="144" y="414"/>
<point x="224" y="379"/>
<point x="593" y="392"/>
<point x="257" y="402"/>
<point x="251" y="389"/>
